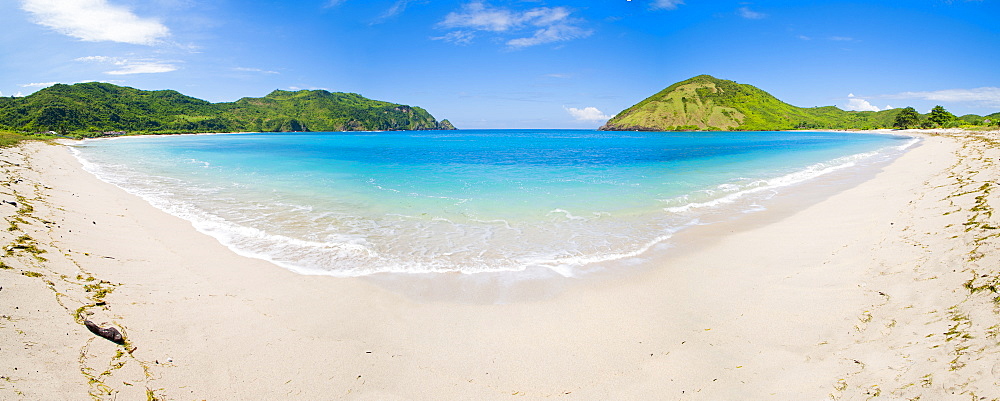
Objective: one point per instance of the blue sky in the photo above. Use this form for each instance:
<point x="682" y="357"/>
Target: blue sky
<point x="514" y="63"/>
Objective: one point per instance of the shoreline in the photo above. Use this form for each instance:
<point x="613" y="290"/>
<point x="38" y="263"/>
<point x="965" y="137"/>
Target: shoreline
<point x="685" y="216"/>
<point x="858" y="294"/>
<point x="538" y="283"/>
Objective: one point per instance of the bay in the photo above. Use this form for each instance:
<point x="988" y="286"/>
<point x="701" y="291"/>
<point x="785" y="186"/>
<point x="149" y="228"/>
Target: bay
<point x="349" y="204"/>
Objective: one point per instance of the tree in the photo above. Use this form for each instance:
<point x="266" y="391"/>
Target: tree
<point x="906" y="118"/>
<point x="940" y="116"/>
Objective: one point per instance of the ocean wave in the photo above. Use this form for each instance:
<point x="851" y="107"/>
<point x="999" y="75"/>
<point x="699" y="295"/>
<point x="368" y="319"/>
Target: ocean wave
<point x="735" y="192"/>
<point x="566" y="238"/>
<point x="569" y="265"/>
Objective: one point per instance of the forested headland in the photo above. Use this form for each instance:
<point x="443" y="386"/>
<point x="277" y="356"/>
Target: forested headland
<point x="706" y="103"/>
<point x="101" y="109"/>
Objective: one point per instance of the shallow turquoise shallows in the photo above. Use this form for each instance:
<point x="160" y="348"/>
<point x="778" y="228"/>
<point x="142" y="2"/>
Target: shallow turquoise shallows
<point x="351" y="204"/>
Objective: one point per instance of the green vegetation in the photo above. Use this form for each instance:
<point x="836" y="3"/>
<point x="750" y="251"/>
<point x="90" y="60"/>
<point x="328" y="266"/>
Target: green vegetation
<point x="992" y="119"/>
<point x="319" y="110"/>
<point x="8" y="139"/>
<point x="446" y="125"/>
<point x="940" y="116"/>
<point x="97" y="109"/>
<point x="27" y="244"/>
<point x="707" y="103"/>
<point x="906" y="118"/>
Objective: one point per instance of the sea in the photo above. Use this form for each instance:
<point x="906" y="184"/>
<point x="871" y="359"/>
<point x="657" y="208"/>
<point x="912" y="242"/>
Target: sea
<point x="468" y="201"/>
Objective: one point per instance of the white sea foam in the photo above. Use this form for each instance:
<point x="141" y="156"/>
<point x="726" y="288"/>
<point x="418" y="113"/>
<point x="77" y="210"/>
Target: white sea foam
<point x="294" y="254"/>
<point x="568" y="265"/>
<point x="307" y="238"/>
<point x="566" y="214"/>
<point x="737" y="192"/>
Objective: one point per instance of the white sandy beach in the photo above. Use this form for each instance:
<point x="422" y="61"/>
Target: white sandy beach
<point x="865" y="293"/>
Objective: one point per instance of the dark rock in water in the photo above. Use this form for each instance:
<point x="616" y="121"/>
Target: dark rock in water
<point x="110" y="333"/>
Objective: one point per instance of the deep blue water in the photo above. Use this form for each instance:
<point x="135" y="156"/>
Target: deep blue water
<point x="470" y="200"/>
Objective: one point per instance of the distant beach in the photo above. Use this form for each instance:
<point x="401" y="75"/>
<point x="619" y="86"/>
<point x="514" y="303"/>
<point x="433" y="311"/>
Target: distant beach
<point x="850" y="288"/>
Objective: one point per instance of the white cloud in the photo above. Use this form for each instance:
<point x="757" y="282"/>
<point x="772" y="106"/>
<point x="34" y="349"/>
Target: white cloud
<point x="38" y="85"/>
<point x="841" y="38"/>
<point x="143" y="67"/>
<point x="107" y="81"/>
<point x="333" y="3"/>
<point x="665" y="4"/>
<point x="312" y="88"/>
<point x="95" y="21"/>
<point x="128" y="66"/>
<point x="100" y="59"/>
<point x="747" y="13"/>
<point x="542" y="24"/>
<point x="587" y="114"/>
<point x="987" y="96"/>
<point x="397" y="8"/>
<point x="457" y="37"/>
<point x="477" y="16"/>
<point x="555" y="33"/>
<point x="858" y="104"/>
<point x="861" y="105"/>
<point x="258" y="70"/>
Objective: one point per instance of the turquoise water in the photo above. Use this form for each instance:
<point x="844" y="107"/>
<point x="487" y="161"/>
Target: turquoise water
<point x="351" y="204"/>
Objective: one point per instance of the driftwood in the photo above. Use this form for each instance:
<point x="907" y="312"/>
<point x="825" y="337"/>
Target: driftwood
<point x="111" y="334"/>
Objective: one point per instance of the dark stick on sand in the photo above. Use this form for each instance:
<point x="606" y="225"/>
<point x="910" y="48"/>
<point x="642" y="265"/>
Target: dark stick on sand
<point x="110" y="333"/>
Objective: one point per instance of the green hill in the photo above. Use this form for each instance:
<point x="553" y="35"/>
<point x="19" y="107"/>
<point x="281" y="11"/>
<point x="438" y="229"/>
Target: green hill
<point x="319" y="110"/>
<point x="89" y="108"/>
<point x="707" y="103"/>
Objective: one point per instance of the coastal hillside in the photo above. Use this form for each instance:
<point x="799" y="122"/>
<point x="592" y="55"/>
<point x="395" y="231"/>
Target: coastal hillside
<point x="319" y="110"/>
<point x="708" y="103"/>
<point x="92" y="108"/>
